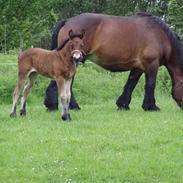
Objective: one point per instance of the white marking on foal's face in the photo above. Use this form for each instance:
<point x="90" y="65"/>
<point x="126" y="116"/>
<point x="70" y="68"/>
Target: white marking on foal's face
<point x="76" y="54"/>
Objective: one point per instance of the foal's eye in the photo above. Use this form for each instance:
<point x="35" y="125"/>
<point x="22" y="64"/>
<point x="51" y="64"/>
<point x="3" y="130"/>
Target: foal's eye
<point x="72" y="46"/>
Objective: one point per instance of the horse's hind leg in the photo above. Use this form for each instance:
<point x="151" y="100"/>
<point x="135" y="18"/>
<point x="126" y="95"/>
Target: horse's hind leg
<point x="16" y="92"/>
<point x="149" y="103"/>
<point x="26" y="91"/>
<point x="124" y="100"/>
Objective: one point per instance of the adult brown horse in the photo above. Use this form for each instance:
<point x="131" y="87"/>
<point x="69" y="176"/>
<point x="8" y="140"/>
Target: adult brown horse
<point x="138" y="43"/>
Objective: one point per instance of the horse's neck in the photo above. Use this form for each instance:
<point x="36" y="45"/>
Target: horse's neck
<point x="175" y="70"/>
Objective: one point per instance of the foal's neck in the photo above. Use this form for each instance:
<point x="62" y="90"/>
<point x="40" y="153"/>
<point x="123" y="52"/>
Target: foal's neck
<point x="65" y="56"/>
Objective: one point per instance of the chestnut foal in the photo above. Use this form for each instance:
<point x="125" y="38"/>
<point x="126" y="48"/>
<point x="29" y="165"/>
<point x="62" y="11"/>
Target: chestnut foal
<point x="59" y="64"/>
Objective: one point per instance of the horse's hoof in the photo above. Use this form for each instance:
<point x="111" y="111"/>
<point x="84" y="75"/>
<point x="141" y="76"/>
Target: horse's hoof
<point x="22" y="113"/>
<point x="74" y="106"/>
<point x="13" y="115"/>
<point x="152" y="108"/>
<point x="123" y="107"/>
<point x="66" y="117"/>
<point x="52" y="110"/>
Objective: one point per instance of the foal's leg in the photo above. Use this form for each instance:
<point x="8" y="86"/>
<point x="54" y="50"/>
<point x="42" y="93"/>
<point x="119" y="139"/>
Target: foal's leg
<point x="17" y="89"/>
<point x="124" y="100"/>
<point x="51" y="97"/>
<point x="149" y="103"/>
<point x="26" y="91"/>
<point x="64" y="92"/>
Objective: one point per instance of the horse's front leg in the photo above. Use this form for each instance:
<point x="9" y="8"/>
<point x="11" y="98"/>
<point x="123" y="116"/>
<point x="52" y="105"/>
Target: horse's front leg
<point x="149" y="103"/>
<point x="51" y="96"/>
<point x="65" y="94"/>
<point x="124" y="100"/>
<point x="73" y="103"/>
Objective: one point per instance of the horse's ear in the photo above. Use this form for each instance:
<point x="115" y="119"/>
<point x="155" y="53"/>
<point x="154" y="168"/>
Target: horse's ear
<point x="71" y="34"/>
<point x="82" y="33"/>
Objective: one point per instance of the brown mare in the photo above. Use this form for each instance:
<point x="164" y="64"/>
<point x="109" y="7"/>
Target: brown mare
<point x="138" y="43"/>
<point x="59" y="65"/>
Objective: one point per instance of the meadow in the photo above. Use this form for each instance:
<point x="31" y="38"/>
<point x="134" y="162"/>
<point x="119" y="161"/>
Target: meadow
<point x="100" y="144"/>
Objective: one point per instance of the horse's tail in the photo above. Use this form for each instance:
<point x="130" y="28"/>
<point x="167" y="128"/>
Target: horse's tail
<point x="173" y="36"/>
<point x="55" y="33"/>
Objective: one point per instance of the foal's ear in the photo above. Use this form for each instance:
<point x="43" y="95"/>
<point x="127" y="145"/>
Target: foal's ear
<point x="71" y="34"/>
<point x="82" y="33"/>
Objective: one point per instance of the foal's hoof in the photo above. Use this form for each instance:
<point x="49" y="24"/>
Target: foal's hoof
<point x="152" y="108"/>
<point x="13" y="115"/>
<point x="66" y="117"/>
<point x="22" y="113"/>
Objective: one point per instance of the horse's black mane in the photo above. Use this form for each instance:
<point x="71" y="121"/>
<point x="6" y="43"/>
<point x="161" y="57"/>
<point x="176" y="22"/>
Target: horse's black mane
<point x="56" y="30"/>
<point x="173" y="36"/>
<point x="62" y="45"/>
<point x="54" y="44"/>
<point x="67" y="40"/>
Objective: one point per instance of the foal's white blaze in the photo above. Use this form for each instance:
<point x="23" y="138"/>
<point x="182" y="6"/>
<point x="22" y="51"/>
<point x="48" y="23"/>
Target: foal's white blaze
<point x="76" y="54"/>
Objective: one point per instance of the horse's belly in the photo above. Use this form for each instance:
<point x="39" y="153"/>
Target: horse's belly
<point x="114" y="65"/>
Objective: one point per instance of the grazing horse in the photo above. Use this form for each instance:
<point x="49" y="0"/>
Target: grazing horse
<point x="59" y="64"/>
<point x="139" y="43"/>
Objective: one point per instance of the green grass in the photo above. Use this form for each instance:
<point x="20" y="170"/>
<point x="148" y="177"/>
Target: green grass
<point x="101" y="144"/>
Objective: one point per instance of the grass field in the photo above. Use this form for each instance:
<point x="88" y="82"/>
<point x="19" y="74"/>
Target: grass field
<point x="101" y="144"/>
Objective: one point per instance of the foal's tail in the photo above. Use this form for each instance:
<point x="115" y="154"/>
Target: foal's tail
<point x="55" y="33"/>
<point x="173" y="36"/>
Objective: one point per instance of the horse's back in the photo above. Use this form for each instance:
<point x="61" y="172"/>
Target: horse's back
<point x="119" y="41"/>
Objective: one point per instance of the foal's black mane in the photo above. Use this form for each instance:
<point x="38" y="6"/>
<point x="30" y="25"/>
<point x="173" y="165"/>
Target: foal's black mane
<point x="173" y="36"/>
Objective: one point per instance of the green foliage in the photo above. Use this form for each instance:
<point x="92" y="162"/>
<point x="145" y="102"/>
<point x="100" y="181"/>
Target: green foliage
<point x="100" y="145"/>
<point x="27" y="23"/>
<point x="176" y="16"/>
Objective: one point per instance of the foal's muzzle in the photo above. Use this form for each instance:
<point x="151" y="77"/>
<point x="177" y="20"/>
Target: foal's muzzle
<point x="78" y="56"/>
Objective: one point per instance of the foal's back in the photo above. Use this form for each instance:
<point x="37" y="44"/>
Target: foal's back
<point x="39" y="60"/>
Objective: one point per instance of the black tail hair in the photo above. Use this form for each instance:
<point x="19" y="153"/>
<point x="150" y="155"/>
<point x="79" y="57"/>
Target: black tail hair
<point x="173" y="36"/>
<point x="56" y="30"/>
